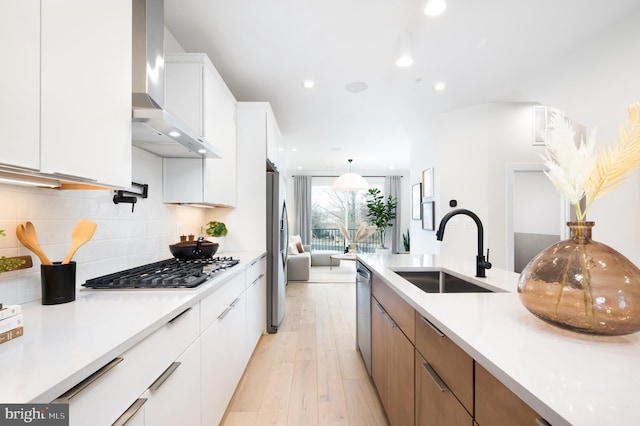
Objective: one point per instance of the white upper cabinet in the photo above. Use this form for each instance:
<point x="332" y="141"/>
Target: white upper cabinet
<point x="66" y="89"/>
<point x="197" y="95"/>
<point x="86" y="90"/>
<point x="20" y="83"/>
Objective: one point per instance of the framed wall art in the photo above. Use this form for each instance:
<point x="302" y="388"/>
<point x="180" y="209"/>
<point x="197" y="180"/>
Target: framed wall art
<point x="428" y="216"/>
<point x="416" y="201"/>
<point x="427" y="183"/>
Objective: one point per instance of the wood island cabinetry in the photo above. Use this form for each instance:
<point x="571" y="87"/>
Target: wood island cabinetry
<point x="392" y="354"/>
<point x="424" y="378"/>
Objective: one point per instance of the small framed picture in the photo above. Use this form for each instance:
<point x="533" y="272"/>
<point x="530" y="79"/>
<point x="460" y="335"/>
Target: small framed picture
<point x="427" y="183"/>
<point x="416" y="200"/>
<point x="428" y="216"/>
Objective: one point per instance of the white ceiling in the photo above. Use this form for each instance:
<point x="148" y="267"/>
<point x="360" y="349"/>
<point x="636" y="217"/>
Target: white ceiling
<point x="484" y="50"/>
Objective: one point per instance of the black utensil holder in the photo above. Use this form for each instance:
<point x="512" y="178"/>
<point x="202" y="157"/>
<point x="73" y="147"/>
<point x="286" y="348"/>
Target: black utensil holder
<point x="58" y="283"/>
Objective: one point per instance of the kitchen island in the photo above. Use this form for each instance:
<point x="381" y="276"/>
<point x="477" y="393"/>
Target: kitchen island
<point x="65" y="344"/>
<point x="568" y="378"/>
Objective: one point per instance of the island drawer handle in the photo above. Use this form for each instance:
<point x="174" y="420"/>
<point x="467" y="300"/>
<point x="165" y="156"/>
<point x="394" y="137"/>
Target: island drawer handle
<point x="164" y="376"/>
<point x="380" y="308"/>
<point x="442" y="386"/>
<point x="433" y="327"/>
<point x="177" y="317"/>
<point x="89" y="380"/>
<point x="542" y="422"/>
<point x="131" y="411"/>
<point x="390" y="320"/>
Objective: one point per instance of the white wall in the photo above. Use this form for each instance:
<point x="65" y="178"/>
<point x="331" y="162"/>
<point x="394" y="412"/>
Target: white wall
<point x="593" y="85"/>
<point x="122" y="240"/>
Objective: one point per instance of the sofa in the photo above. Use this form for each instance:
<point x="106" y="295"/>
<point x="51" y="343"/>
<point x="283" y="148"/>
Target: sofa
<point x="299" y="264"/>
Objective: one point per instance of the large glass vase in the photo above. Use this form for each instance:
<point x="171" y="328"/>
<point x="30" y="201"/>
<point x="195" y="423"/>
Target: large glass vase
<point x="583" y="285"/>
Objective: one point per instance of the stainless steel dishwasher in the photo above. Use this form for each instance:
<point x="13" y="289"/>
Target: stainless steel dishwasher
<point x="363" y="313"/>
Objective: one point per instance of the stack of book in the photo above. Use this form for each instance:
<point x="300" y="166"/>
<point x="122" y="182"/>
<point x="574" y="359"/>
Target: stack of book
<point x="11" y="323"/>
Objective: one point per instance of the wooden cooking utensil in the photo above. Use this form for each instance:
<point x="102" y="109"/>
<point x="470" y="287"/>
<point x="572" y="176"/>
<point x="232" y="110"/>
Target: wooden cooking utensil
<point x="81" y="234"/>
<point x="26" y="234"/>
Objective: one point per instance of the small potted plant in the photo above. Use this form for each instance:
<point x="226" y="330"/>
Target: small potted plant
<point x="380" y="213"/>
<point x="9" y="263"/>
<point x="217" y="230"/>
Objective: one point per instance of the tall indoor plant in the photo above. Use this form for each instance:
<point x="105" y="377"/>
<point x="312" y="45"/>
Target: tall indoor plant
<point x="381" y="212"/>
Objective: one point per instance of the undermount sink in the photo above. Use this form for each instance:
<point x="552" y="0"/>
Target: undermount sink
<point x="429" y="282"/>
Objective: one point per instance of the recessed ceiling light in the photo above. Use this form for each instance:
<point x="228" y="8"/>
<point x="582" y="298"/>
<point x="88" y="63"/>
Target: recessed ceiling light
<point x="308" y="84"/>
<point x="356" y="87"/>
<point x="439" y="86"/>
<point x="293" y="150"/>
<point x="174" y="134"/>
<point x="435" y="7"/>
<point x="202" y="151"/>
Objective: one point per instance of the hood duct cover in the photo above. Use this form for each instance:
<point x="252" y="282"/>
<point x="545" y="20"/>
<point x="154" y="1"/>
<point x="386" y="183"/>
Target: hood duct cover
<point x="154" y="129"/>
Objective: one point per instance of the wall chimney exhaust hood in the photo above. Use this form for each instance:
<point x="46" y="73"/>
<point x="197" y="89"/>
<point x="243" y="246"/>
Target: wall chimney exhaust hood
<point x="153" y="128"/>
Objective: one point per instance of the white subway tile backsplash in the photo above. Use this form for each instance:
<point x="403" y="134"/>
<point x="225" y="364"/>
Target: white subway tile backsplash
<point x="122" y="240"/>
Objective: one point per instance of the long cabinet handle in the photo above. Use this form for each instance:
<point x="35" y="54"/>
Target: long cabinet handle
<point x="257" y="279"/>
<point x="89" y="380"/>
<point x="164" y="376"/>
<point x="225" y="312"/>
<point x="390" y="320"/>
<point x="433" y="327"/>
<point x="380" y="308"/>
<point x="442" y="386"/>
<point x="131" y="411"/>
<point x="542" y="422"/>
<point x="177" y="317"/>
<point x="235" y="302"/>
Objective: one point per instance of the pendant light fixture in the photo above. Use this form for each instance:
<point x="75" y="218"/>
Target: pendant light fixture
<point x="405" y="55"/>
<point x="349" y="181"/>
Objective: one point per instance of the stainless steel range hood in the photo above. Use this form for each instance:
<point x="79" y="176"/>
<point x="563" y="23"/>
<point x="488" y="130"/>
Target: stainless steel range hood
<point x="154" y="129"/>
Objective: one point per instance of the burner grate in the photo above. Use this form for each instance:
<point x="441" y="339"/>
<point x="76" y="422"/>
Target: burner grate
<point x="165" y="274"/>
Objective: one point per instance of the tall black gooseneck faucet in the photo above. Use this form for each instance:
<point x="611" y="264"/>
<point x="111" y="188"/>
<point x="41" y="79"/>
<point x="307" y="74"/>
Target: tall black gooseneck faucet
<point x="482" y="264"/>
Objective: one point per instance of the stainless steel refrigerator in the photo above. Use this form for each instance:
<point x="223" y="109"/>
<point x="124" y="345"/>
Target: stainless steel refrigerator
<point x="277" y="244"/>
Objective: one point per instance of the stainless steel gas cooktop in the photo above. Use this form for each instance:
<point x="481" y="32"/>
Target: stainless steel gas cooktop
<point x="165" y="274"/>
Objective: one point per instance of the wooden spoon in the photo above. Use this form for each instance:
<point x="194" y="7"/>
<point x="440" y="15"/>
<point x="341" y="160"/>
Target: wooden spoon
<point x="26" y="234"/>
<point x="81" y="234"/>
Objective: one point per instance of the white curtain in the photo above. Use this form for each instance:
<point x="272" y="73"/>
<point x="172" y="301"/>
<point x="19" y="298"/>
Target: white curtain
<point x="302" y="214"/>
<point x="393" y="187"/>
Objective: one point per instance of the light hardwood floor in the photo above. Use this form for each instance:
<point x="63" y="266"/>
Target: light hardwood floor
<point x="309" y="372"/>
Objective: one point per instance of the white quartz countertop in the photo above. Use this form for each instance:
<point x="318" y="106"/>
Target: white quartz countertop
<point x="569" y="378"/>
<point x="63" y="344"/>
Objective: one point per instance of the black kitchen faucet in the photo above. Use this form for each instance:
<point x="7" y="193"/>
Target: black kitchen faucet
<point x="482" y="264"/>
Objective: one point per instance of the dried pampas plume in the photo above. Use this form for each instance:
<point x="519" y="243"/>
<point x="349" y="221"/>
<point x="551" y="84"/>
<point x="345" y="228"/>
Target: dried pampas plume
<point x="362" y="233"/>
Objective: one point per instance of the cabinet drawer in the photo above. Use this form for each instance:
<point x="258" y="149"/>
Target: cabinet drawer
<point x="435" y="403"/>
<point x="254" y="271"/>
<point x="107" y="393"/>
<point x="214" y="304"/>
<point x="496" y="405"/>
<point x="451" y="363"/>
<point x="394" y="305"/>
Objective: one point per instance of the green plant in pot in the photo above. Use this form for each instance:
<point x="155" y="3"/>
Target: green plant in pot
<point x="216" y="229"/>
<point x="9" y="263"/>
<point x="381" y="211"/>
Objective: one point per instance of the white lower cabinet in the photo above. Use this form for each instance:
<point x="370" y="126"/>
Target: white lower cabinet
<point x="106" y="394"/>
<point x="174" y="398"/>
<point x="184" y="373"/>
<point x="223" y="359"/>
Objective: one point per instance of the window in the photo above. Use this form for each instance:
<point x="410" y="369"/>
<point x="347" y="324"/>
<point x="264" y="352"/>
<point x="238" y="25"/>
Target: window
<point x="328" y="208"/>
